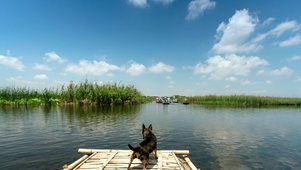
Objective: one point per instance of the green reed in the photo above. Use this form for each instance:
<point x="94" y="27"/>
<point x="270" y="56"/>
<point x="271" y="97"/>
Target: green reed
<point x="83" y="93"/>
<point x="245" y="100"/>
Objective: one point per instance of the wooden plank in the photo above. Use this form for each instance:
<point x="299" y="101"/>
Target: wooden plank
<point x="190" y="163"/>
<point x="105" y="164"/>
<point x="175" y="157"/>
<point x="159" y="160"/>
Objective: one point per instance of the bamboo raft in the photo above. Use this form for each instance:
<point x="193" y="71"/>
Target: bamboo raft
<point x="119" y="159"/>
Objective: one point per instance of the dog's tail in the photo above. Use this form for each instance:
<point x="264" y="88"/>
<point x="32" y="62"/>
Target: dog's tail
<point x="137" y="149"/>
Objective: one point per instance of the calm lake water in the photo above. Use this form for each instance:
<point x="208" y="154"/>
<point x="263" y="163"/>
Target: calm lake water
<point x="218" y="138"/>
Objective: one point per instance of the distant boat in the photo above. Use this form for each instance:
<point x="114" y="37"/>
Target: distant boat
<point x="166" y="100"/>
<point x="158" y="100"/>
<point x="185" y="101"/>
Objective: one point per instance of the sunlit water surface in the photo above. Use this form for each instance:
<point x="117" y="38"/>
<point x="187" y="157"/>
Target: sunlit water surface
<point x="218" y="138"/>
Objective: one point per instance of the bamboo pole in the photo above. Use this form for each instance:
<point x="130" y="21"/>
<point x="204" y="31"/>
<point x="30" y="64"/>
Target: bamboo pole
<point x="90" y="151"/>
<point x="74" y="164"/>
<point x="190" y="163"/>
<point x="159" y="160"/>
<point x="175" y="157"/>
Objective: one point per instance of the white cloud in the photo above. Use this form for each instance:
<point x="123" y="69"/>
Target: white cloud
<point x="268" y="82"/>
<point x="291" y="41"/>
<point x="41" y="67"/>
<point x="12" y="62"/>
<point x="198" y="7"/>
<point x="19" y="80"/>
<point x="247" y="82"/>
<point x="284" y="71"/>
<point x="231" y="79"/>
<point x="297" y="80"/>
<point x="144" y="3"/>
<point x="164" y="1"/>
<point x="41" y="77"/>
<point x="283" y="27"/>
<point x="52" y="56"/>
<point x="136" y="69"/>
<point x="278" y="31"/>
<point x="219" y="67"/>
<point x="161" y="67"/>
<point x="233" y="36"/>
<point x="138" y="3"/>
<point x="294" y="58"/>
<point x="95" y="68"/>
<point x="267" y="21"/>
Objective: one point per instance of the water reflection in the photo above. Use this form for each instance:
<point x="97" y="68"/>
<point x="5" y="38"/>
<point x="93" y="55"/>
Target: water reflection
<point x="218" y="138"/>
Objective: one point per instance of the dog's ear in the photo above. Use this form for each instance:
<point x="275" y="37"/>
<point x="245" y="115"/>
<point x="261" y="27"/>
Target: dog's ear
<point x="150" y="127"/>
<point x="137" y="149"/>
<point x="143" y="127"/>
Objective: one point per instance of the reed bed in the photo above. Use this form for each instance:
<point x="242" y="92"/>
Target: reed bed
<point x="244" y="100"/>
<point x="83" y="93"/>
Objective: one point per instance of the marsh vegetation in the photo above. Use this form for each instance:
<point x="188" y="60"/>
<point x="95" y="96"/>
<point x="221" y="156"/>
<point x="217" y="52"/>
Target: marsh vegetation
<point x="244" y="100"/>
<point x="83" y="93"/>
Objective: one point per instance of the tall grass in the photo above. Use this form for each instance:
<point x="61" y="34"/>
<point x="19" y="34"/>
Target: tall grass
<point x="245" y="100"/>
<point x="83" y="93"/>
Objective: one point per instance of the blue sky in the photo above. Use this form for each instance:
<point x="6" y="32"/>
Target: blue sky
<point x="162" y="47"/>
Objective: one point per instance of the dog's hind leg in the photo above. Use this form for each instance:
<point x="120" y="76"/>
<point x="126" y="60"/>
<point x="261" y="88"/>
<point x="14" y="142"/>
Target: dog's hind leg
<point x="156" y="156"/>
<point x="129" y="167"/>
<point x="145" y="164"/>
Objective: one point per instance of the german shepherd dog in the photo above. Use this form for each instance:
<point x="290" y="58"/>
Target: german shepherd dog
<point x="147" y="146"/>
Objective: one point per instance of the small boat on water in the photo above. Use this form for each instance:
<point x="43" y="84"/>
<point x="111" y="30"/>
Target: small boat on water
<point x="119" y="159"/>
<point x="166" y="100"/>
<point x="158" y="100"/>
<point x="185" y="101"/>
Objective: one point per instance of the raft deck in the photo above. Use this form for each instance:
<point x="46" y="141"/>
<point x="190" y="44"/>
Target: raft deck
<point x="119" y="159"/>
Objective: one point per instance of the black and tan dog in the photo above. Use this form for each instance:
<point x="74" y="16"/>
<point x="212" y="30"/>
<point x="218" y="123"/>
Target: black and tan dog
<point x="147" y="146"/>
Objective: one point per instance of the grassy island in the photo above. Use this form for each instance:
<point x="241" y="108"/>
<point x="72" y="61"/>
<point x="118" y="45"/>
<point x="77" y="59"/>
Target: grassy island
<point x="244" y="100"/>
<point x="83" y="93"/>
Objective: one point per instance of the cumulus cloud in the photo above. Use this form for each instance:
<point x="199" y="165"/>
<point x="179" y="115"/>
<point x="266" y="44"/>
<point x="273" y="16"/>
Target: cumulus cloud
<point x="233" y="35"/>
<point x="220" y="67"/>
<point x="161" y="67"/>
<point x="52" y="56"/>
<point x="87" y="67"/>
<point x="136" y="69"/>
<point x="41" y="67"/>
<point x="198" y="7"/>
<point x="41" y="77"/>
<point x="284" y="71"/>
<point x="291" y="41"/>
<point x="12" y="62"/>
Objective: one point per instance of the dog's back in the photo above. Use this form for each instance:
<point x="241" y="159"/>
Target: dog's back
<point x="147" y="146"/>
<point x="149" y="139"/>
